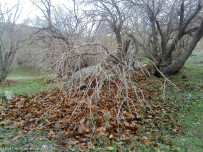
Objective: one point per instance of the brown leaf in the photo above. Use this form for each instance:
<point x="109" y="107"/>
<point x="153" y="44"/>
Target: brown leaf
<point x="124" y="137"/>
<point x="147" y="140"/>
<point x="166" y="120"/>
<point x="52" y="134"/>
<point x="110" y="148"/>
<point x="111" y="136"/>
<point x="102" y="131"/>
<point x="134" y="128"/>
<point x="82" y="129"/>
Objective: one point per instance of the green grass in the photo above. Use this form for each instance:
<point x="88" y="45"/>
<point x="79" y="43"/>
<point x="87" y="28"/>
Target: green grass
<point x="144" y="61"/>
<point x="26" y="80"/>
<point x="29" y="85"/>
<point x="190" y="116"/>
<point x="191" y="110"/>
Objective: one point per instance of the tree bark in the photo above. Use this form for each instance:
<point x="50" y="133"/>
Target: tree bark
<point x="173" y="68"/>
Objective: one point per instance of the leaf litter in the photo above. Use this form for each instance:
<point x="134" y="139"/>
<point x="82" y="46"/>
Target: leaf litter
<point x="55" y="112"/>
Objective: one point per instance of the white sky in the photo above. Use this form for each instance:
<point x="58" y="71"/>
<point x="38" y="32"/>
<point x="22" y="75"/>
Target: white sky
<point x="28" y="10"/>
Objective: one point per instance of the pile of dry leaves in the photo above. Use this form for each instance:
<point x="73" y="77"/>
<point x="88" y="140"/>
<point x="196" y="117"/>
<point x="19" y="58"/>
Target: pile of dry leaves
<point x="83" y="123"/>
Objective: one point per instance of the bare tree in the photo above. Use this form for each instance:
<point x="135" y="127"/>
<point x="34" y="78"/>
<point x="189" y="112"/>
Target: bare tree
<point x="9" y="38"/>
<point x="179" y="62"/>
<point x="165" y="26"/>
<point x="114" y="14"/>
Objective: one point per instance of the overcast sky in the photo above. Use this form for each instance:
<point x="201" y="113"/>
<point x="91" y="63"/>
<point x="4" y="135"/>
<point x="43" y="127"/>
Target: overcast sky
<point x="28" y="10"/>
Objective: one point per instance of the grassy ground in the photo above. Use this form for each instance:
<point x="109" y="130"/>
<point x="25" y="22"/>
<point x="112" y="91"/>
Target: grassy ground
<point x="25" y="80"/>
<point x="190" y="97"/>
<point x="189" y="110"/>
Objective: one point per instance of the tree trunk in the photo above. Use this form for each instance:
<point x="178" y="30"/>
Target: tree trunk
<point x="3" y="75"/>
<point x="173" y="68"/>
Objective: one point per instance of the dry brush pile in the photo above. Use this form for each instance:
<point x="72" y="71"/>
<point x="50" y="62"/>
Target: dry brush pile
<point x="107" y="99"/>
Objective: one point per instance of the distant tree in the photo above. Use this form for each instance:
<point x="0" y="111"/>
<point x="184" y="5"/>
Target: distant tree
<point x="9" y="38"/>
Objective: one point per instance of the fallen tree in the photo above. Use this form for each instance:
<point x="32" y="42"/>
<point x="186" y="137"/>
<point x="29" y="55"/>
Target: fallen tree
<point x="89" y="68"/>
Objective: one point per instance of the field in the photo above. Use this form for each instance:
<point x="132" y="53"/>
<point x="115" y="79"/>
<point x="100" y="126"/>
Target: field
<point x="187" y="110"/>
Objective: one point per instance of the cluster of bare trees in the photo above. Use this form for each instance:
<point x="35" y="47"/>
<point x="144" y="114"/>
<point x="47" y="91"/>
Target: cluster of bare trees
<point x="160" y="28"/>
<point x="166" y="31"/>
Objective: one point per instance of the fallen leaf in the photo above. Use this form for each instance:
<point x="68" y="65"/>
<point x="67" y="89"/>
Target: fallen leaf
<point x="82" y="129"/>
<point x="110" y="148"/>
<point x="124" y="137"/>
